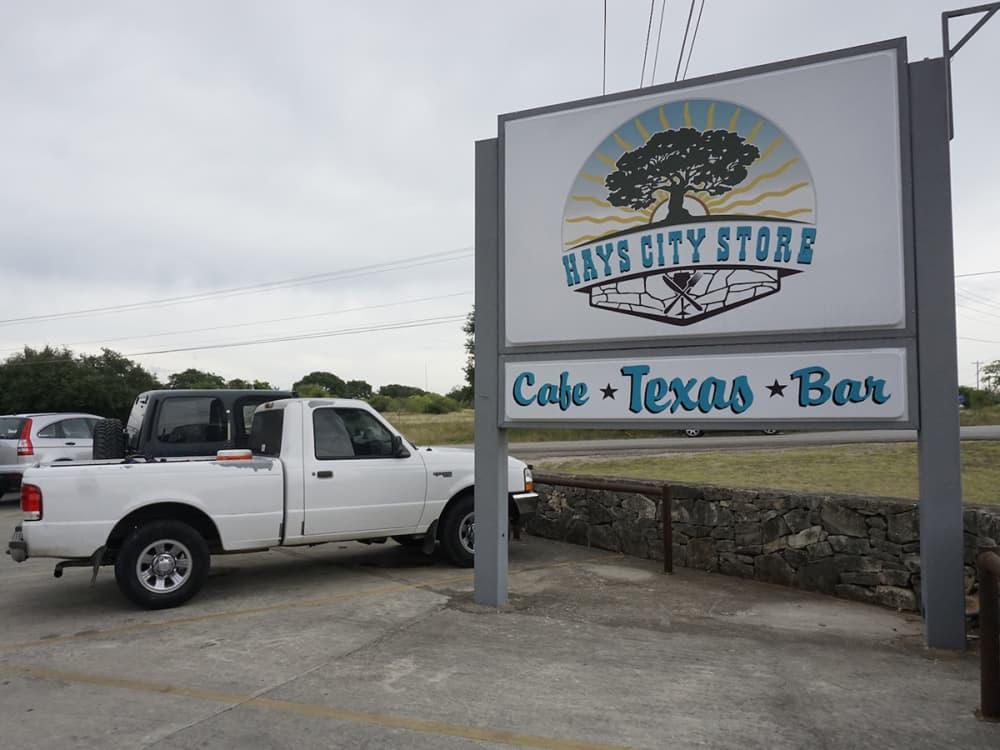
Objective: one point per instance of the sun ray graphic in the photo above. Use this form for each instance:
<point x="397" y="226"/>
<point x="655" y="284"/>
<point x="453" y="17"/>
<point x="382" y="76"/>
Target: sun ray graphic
<point x="777" y="184"/>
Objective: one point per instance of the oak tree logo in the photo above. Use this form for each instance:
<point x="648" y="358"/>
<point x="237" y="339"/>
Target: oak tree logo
<point x="682" y="223"/>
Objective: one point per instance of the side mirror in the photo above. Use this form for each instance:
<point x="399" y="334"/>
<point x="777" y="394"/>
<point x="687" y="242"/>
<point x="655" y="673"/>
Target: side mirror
<point x="398" y="448"/>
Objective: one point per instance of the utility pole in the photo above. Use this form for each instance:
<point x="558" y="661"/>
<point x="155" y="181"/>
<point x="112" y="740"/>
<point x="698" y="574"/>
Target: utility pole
<point x="977" y="363"/>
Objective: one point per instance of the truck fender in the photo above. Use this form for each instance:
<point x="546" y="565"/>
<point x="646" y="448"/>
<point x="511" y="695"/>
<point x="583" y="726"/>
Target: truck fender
<point x="166" y="511"/>
<point x="513" y="513"/>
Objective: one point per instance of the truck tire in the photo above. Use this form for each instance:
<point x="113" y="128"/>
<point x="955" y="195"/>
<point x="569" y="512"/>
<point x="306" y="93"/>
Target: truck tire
<point x="162" y="564"/>
<point x="109" y="439"/>
<point x="457" y="531"/>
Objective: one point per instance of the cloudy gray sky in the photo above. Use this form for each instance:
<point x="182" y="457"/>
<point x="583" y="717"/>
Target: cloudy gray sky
<point x="154" y="150"/>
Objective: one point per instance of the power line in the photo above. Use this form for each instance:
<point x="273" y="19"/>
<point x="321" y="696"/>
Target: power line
<point x="274" y="340"/>
<point x="694" y="37"/>
<point x="645" y="52"/>
<point x="604" y="76"/>
<point x="687" y="28"/>
<point x="258" y="322"/>
<point x="977" y="298"/>
<point x="659" y="33"/>
<point x="980" y="273"/>
<point x="981" y="341"/>
<point x="348" y="273"/>
<point x="967" y="306"/>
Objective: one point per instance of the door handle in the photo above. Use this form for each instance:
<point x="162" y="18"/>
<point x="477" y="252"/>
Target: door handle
<point x="70" y="443"/>
<point x="324" y="475"/>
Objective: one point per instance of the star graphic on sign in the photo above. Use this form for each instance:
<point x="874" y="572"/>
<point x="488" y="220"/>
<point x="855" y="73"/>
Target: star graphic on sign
<point x="608" y="392"/>
<point x="776" y="389"/>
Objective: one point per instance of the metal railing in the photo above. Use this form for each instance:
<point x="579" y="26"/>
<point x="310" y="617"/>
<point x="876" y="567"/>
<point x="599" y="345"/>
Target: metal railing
<point x="989" y="636"/>
<point x="631" y="487"/>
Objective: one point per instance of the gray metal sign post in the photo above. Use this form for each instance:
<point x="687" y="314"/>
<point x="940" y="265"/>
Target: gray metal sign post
<point x="491" y="441"/>
<point x="941" y="549"/>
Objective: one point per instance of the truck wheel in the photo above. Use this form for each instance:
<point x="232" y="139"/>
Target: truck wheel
<point x="162" y="564"/>
<point x="458" y="531"/>
<point x="109" y="439"/>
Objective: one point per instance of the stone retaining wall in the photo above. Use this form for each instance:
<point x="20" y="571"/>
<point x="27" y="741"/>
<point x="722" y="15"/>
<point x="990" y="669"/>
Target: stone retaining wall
<point x="860" y="548"/>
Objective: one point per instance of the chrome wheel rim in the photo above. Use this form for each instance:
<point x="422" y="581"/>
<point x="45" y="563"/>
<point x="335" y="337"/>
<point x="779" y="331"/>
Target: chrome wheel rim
<point x="467" y="533"/>
<point x="164" y="566"/>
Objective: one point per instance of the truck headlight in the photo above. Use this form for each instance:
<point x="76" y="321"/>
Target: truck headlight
<point x="529" y="482"/>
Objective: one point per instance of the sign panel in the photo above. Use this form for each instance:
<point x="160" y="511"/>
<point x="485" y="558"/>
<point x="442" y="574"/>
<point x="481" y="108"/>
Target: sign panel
<point x="763" y="204"/>
<point x="842" y="386"/>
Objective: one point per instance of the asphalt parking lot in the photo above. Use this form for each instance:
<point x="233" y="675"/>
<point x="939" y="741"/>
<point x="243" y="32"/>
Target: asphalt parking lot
<point x="347" y="646"/>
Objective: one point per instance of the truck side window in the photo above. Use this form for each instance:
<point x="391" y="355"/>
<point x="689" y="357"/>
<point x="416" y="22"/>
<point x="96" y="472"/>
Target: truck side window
<point x="369" y="437"/>
<point x="265" y="434"/>
<point x="191" y="420"/>
<point x="330" y="436"/>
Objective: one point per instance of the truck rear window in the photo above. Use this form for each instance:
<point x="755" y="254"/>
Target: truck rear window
<point x="10" y="428"/>
<point x="265" y="434"/>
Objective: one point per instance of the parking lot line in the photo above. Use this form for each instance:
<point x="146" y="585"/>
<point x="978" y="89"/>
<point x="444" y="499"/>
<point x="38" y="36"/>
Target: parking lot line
<point x="465" y="577"/>
<point x="312" y="710"/>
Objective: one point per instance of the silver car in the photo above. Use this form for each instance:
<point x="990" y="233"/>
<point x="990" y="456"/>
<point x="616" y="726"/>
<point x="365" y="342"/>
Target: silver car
<point x="27" y="439"/>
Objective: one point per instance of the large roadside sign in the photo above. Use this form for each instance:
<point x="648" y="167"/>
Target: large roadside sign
<point x="742" y="251"/>
<point x="753" y="209"/>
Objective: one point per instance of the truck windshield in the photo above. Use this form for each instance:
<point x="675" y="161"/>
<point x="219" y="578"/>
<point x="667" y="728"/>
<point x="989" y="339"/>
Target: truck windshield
<point x="265" y="433"/>
<point x="10" y="428"/>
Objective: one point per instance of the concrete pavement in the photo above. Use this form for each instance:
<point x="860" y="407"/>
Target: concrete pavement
<point x="346" y="646"/>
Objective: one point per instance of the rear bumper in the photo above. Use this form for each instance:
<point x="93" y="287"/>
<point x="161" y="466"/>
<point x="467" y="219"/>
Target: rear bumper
<point x="17" y="548"/>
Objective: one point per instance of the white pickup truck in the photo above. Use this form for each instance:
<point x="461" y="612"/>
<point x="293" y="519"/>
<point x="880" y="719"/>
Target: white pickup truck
<point x="318" y="470"/>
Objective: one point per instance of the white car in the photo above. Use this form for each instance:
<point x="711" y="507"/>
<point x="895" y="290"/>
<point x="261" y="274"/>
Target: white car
<point x="318" y="470"/>
<point x="27" y="439"/>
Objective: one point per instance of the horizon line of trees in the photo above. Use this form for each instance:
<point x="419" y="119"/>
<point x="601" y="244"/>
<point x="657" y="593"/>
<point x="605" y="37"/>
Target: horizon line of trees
<point x="106" y="384"/>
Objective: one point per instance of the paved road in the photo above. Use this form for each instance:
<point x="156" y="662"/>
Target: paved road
<point x="723" y="441"/>
<point x="344" y="646"/>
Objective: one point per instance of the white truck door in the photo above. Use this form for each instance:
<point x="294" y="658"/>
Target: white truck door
<point x="353" y="482"/>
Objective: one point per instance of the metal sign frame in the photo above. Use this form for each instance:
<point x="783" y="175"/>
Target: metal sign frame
<point x="928" y="337"/>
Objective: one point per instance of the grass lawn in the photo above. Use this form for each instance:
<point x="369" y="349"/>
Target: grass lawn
<point x="984" y="415"/>
<point x="873" y="469"/>
<point x="457" y="427"/>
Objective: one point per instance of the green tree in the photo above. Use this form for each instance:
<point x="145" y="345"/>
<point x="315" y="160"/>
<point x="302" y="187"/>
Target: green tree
<point x="358" y="389"/>
<point x="50" y="379"/>
<point x="192" y="378"/>
<point x="394" y="390"/>
<point x="990" y="375"/>
<point x="111" y="382"/>
<point x="333" y="385"/>
<point x="461" y="394"/>
<point x="263" y="385"/>
<point x="470" y="352"/>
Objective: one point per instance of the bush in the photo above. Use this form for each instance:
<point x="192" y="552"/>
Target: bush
<point x="380" y="403"/>
<point x="976" y="398"/>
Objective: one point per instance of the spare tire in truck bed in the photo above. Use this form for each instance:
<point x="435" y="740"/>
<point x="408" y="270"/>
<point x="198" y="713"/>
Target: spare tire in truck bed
<point x="109" y="439"/>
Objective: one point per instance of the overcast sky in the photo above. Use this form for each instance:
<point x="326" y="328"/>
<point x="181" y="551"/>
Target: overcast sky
<point x="153" y="150"/>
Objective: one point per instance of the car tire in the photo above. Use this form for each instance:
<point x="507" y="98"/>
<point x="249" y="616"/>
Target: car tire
<point x="457" y="531"/>
<point x="770" y="432"/>
<point x="109" y="440"/>
<point x="162" y="564"/>
<point x="692" y="433"/>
